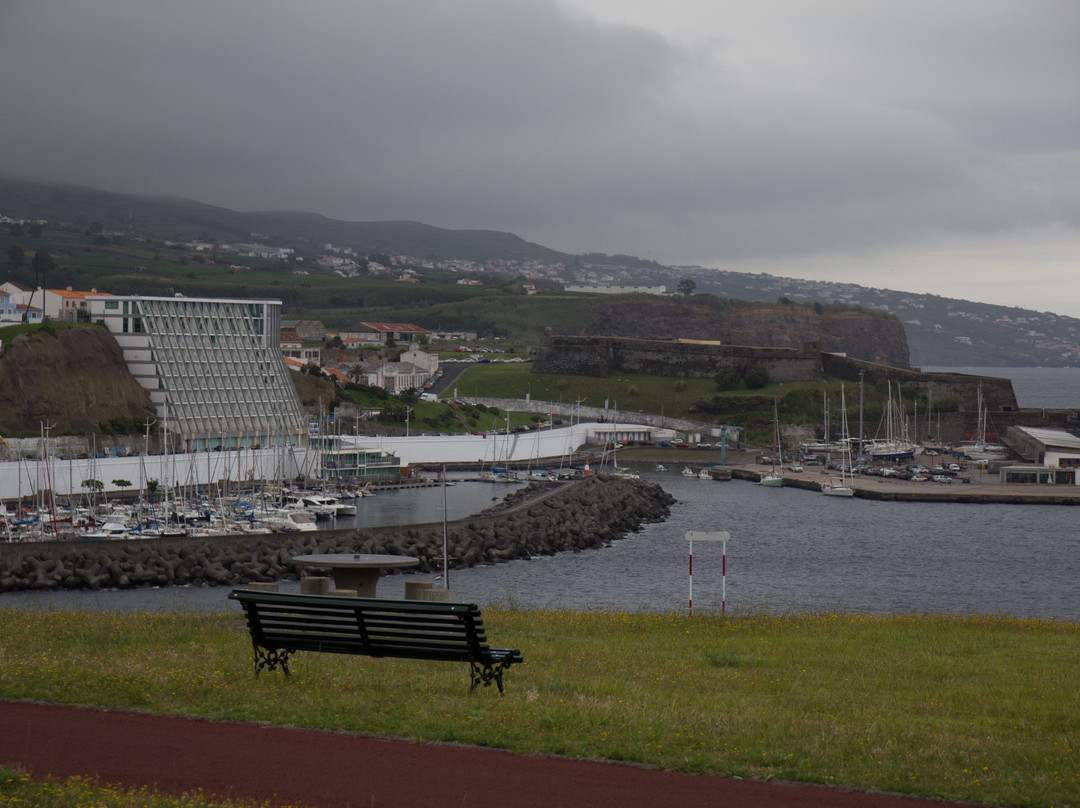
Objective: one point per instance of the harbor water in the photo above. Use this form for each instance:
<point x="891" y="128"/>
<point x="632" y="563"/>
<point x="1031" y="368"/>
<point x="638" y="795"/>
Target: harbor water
<point x="791" y="550"/>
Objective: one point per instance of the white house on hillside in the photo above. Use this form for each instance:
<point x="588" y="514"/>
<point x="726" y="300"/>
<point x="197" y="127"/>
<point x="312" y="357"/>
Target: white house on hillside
<point x="413" y="368"/>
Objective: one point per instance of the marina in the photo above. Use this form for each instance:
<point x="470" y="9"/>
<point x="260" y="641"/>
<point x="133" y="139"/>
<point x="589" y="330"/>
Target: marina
<point x="791" y="550"/>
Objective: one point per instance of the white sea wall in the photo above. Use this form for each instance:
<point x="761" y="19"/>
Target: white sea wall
<point x="518" y="447"/>
<point x="24" y="478"/>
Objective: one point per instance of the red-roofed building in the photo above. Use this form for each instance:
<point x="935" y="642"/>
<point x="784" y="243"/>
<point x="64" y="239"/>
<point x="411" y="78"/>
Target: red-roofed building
<point x="294" y="347"/>
<point x="68" y="305"/>
<point x="378" y="333"/>
<point x="337" y="374"/>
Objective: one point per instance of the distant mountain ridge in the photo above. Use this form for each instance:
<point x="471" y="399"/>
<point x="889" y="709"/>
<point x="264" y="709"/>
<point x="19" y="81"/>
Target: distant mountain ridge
<point x="940" y="331"/>
<point x="177" y="219"/>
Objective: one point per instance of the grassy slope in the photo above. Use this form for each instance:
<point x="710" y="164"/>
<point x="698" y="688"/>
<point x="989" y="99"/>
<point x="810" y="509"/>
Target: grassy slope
<point x="981" y="708"/>
<point x="179" y="219"/>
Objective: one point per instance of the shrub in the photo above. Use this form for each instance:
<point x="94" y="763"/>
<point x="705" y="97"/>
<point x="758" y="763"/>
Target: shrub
<point x="757" y="377"/>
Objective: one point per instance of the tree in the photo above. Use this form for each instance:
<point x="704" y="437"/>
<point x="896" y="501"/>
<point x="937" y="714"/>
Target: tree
<point x="686" y="287"/>
<point x="94" y="486"/>
<point x="122" y="484"/>
<point x="757" y="377"/>
<point x="43" y="262"/>
<point x="16" y="255"/>
<point x="356" y="372"/>
<point x="728" y="379"/>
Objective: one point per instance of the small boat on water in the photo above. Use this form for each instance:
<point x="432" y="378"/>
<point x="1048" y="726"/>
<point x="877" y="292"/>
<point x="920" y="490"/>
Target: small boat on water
<point x="661" y="468"/>
<point x="111" y="530"/>
<point x="704" y="474"/>
<point x="289" y="520"/>
<point x="689" y="472"/>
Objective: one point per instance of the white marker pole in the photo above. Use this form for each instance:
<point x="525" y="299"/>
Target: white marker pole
<point x="721" y="536"/>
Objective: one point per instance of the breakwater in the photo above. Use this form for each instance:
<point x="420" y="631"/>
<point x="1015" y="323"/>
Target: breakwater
<point x="540" y="519"/>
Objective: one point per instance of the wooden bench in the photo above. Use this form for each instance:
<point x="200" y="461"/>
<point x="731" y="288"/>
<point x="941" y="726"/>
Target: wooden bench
<point x="282" y="624"/>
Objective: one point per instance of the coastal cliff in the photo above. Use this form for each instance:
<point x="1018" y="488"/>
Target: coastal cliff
<point x="865" y="335"/>
<point x="72" y="380"/>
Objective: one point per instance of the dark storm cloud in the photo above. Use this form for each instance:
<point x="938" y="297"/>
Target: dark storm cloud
<point x="767" y="130"/>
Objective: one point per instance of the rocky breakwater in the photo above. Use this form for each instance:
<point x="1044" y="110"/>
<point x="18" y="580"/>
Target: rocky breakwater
<point x="540" y="519"/>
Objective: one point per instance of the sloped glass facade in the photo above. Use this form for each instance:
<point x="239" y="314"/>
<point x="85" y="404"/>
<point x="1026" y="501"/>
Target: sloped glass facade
<point x="213" y="367"/>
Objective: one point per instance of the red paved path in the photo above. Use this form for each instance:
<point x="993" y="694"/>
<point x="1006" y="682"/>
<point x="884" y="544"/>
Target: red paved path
<point x="303" y="767"/>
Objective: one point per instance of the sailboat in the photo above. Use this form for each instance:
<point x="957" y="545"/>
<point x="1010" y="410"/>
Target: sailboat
<point x="772" y="479"/>
<point x="842" y="488"/>
<point x="825" y="444"/>
<point x="896" y="445"/>
<point x="981" y="449"/>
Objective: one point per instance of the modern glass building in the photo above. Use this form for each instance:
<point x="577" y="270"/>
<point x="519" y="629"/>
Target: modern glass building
<point x="213" y="367"/>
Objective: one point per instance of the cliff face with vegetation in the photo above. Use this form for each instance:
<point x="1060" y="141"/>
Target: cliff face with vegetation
<point x="72" y="380"/>
<point x="860" y="334"/>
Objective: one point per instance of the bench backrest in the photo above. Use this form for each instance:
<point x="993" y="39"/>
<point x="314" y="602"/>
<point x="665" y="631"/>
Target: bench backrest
<point x="372" y="626"/>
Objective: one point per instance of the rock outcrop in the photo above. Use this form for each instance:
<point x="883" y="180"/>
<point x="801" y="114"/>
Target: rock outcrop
<point x="72" y="379"/>
<point x="860" y="334"/>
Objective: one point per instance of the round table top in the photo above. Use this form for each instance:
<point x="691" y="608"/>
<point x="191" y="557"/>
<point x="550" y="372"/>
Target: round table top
<point x="355" y="560"/>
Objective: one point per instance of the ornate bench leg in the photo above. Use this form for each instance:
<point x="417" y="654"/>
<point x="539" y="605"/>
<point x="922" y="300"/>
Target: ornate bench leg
<point x="485" y="675"/>
<point x="271" y="660"/>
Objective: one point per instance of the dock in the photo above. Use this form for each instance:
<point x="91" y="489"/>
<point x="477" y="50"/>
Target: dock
<point x="984" y="488"/>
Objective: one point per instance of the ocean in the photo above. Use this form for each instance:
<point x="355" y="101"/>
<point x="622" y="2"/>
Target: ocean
<point x="1052" y="388"/>
<point x="790" y="551"/>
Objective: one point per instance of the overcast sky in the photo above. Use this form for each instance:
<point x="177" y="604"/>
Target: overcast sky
<point x="919" y="145"/>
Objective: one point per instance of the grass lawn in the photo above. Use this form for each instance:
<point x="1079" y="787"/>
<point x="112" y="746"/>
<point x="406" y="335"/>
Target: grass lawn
<point x="981" y="708"/>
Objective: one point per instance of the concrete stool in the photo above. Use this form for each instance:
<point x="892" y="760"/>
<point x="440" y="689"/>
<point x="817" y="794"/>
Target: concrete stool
<point x="440" y="595"/>
<point x="417" y="590"/>
<point x="263" y="586"/>
<point x="315" y="585"/>
<point x="343" y="593"/>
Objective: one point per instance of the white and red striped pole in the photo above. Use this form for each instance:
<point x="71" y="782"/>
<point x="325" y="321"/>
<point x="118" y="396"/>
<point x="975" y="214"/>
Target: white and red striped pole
<point x="690" y="602"/>
<point x="723" y="537"/>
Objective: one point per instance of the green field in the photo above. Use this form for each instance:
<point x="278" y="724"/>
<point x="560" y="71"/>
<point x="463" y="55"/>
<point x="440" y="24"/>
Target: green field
<point x="977" y="708"/>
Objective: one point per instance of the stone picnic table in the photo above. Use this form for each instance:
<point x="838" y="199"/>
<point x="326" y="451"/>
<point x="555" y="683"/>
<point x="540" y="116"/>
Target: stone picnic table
<point x="357" y="572"/>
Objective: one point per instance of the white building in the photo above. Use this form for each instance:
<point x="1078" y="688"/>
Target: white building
<point x="213" y="367"/>
<point x="9" y="311"/>
<point x="68" y="305"/>
<point x="616" y="290"/>
<point x="413" y="368"/>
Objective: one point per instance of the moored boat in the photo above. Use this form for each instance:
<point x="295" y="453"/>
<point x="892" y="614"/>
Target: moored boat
<point x="841" y="487"/>
<point x="772" y="479"/>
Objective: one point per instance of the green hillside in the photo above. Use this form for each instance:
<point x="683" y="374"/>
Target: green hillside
<point x="175" y="219"/>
